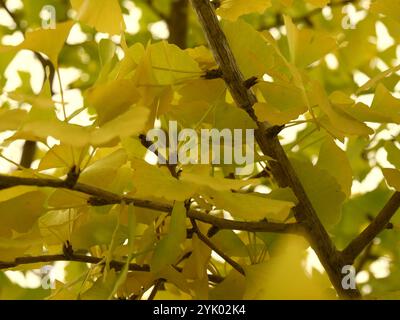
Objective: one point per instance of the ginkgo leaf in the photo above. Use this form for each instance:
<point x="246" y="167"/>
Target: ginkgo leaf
<point x="340" y="120"/>
<point x="61" y="156"/>
<point x="386" y="104"/>
<point x="253" y="54"/>
<point x="230" y="243"/>
<point x="167" y="249"/>
<point x="232" y="9"/>
<point x="11" y="119"/>
<point x="102" y="287"/>
<point x="252" y="207"/>
<point x="319" y="3"/>
<point x="171" y="65"/>
<point x="334" y="160"/>
<point x="47" y="41"/>
<point x="197" y="264"/>
<point x="306" y="45"/>
<point x="283" y="102"/>
<point x="94" y="229"/>
<point x="232" y="288"/>
<point x="324" y="192"/>
<point x="9" y="248"/>
<point x="392" y="177"/>
<point x="112" y="99"/>
<point x="282" y="277"/>
<point x="103" y="171"/>
<point x="375" y="80"/>
<point x="393" y="154"/>
<point x="40" y="130"/>
<point x="388" y="8"/>
<point x="129" y="124"/>
<point x="230" y="117"/>
<point x="103" y="15"/>
<point x="21" y="212"/>
<point x="146" y="176"/>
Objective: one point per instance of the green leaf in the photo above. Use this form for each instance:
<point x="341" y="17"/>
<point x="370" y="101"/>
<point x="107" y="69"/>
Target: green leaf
<point x="334" y="160"/>
<point x="324" y="192"/>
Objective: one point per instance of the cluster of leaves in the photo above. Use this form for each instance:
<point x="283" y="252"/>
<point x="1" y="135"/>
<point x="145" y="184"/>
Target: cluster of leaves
<point x="130" y="81"/>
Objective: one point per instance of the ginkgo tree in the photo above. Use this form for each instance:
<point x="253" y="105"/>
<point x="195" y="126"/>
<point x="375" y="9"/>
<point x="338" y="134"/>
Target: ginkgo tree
<point x="310" y="77"/>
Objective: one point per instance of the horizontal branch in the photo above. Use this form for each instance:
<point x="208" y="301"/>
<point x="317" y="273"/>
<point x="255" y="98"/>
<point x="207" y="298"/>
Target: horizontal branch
<point x="375" y="227"/>
<point x="100" y="197"/>
<point x="117" y="265"/>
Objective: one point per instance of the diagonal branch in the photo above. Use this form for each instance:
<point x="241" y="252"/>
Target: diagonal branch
<point x="376" y="226"/>
<point x="100" y="197"/>
<point x="213" y="247"/>
<point x="270" y="145"/>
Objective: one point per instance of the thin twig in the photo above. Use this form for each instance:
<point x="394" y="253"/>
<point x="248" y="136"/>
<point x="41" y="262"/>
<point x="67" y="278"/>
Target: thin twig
<point x="157" y="286"/>
<point x="213" y="247"/>
<point x="375" y="227"/>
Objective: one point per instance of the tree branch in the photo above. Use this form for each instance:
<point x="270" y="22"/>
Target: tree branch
<point x="102" y="197"/>
<point x="117" y="265"/>
<point x="150" y="4"/>
<point x="178" y="23"/>
<point x="375" y="227"/>
<point x="270" y="145"/>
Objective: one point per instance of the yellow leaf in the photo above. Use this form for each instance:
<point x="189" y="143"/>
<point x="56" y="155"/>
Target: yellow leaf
<point x="46" y="41"/>
<point x="233" y="9"/>
<point x="319" y="3"/>
<point x="307" y="46"/>
<point x="386" y="104"/>
<point x="375" y="80"/>
<point x="168" y="249"/>
<point x="392" y="177"/>
<point x="171" y="64"/>
<point x="284" y="277"/>
<point x="253" y="54"/>
<point x="252" y="207"/>
<point x="334" y="160"/>
<point x="146" y="176"/>
<point x="21" y="212"/>
<point x="283" y="102"/>
<point x="112" y="99"/>
<point x="103" y="15"/>
<point x="103" y="171"/>
<point x="340" y="120"/>
<point x="129" y="124"/>
<point x="11" y="119"/>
